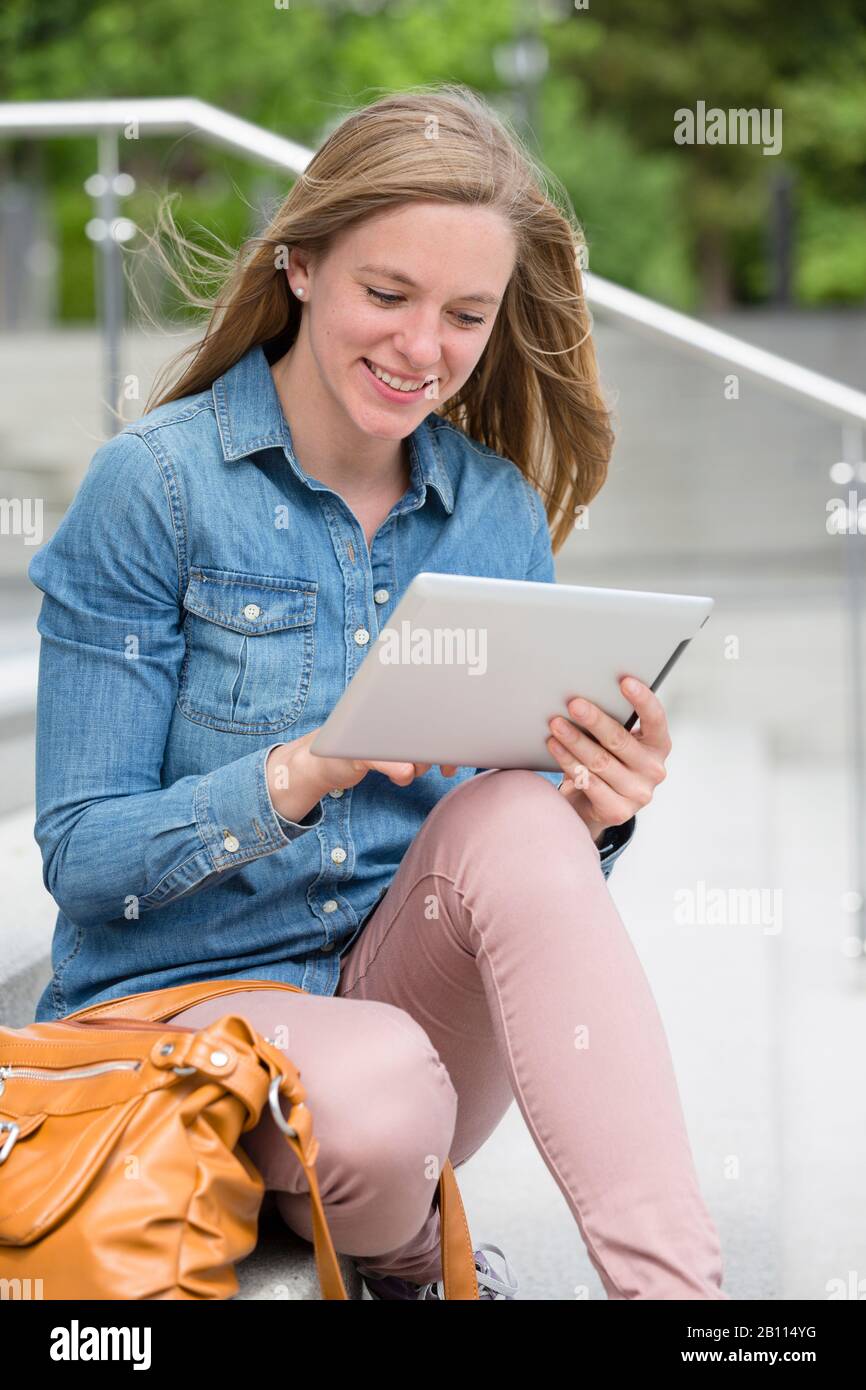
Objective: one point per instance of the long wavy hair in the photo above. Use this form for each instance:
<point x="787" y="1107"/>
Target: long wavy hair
<point x="535" y="395"/>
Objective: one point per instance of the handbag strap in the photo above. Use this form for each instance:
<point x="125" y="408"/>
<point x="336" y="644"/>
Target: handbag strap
<point x="460" y="1277"/>
<point x="458" y="1258"/>
<point x="299" y="1136"/>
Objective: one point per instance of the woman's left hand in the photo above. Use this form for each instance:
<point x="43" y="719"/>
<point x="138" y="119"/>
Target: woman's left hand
<point x="611" y="775"/>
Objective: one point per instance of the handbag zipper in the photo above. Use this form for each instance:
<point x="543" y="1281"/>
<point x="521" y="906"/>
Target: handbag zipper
<point x="61" y="1074"/>
<point x="109" y="1021"/>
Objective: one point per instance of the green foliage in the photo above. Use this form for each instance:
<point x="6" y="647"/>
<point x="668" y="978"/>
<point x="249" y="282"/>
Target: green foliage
<point x="628" y="206"/>
<point x="831" y="261"/>
<point x="685" y="224"/>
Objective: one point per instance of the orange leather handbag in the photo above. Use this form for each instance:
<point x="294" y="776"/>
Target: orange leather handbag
<point x="120" y="1171"/>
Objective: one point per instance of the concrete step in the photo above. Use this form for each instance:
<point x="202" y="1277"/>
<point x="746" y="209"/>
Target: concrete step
<point x="19" y="671"/>
<point x="283" y="1266"/>
<point x="26" y="921"/>
<point x="822" y="1071"/>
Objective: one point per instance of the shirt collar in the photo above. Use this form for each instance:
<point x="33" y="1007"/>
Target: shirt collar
<point x="250" y="417"/>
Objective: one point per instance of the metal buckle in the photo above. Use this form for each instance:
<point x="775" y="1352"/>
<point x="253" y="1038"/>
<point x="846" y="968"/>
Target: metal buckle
<point x="14" y="1131"/>
<point x="274" y="1099"/>
<point x="179" y="1071"/>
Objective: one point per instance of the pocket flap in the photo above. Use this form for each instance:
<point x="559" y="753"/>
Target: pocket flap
<point x="53" y="1166"/>
<point x="250" y="603"/>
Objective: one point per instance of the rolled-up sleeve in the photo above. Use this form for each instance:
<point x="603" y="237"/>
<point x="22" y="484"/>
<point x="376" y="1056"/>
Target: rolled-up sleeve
<point x="111" y="650"/>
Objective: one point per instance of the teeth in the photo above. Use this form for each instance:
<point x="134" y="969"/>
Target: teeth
<point x="395" y="381"/>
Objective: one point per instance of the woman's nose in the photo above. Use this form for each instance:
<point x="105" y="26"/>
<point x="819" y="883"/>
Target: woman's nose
<point x="419" y="347"/>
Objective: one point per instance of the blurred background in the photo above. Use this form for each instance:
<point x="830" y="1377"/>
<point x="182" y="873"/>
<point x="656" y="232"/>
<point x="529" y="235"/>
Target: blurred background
<point x="736" y="474"/>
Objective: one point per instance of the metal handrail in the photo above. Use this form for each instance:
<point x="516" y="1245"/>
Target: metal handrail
<point x="646" y="315"/>
<point x="109" y="118"/>
<point x="179" y="115"/>
<point x="159" y="116"/>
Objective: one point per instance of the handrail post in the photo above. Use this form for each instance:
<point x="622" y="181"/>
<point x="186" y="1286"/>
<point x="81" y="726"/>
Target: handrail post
<point x="855" y="567"/>
<point x="110" y="278"/>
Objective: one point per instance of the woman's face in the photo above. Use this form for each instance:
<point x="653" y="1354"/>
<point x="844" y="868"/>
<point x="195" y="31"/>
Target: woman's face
<point x="413" y="292"/>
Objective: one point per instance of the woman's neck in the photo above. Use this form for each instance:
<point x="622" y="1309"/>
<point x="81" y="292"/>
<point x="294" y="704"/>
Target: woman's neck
<point x="353" y="464"/>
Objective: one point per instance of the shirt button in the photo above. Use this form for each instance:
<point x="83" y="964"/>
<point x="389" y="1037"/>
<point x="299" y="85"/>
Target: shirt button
<point x="329" y="906"/>
<point x="251" y="611"/>
<point x="328" y="946"/>
<point x="338" y="855"/>
<point x="362" y="636"/>
<point x="381" y="596"/>
<point x="230" y="842"/>
<point x="337" y="792"/>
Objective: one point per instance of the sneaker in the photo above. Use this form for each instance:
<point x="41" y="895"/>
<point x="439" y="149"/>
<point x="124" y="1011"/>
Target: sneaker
<point x="490" y="1284"/>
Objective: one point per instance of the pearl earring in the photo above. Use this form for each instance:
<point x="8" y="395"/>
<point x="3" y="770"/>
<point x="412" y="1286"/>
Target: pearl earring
<point x="299" y="291"/>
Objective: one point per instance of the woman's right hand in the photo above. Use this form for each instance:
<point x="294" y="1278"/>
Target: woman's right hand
<point x="297" y="778"/>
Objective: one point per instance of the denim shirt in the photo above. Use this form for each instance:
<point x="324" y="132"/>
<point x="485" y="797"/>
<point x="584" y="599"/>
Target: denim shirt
<point x="205" y="599"/>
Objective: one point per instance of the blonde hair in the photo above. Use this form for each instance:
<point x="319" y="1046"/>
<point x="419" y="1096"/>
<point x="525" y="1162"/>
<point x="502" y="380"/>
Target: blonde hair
<point x="535" y="395"/>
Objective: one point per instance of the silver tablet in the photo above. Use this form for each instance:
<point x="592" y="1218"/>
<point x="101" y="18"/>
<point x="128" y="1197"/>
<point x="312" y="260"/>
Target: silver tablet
<point x="468" y="671"/>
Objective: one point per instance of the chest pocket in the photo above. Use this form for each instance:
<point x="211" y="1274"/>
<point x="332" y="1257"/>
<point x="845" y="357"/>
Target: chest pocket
<point x="250" y="649"/>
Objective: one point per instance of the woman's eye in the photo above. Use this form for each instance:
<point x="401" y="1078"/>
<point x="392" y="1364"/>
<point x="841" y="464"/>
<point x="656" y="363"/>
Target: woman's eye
<point x="382" y="297"/>
<point x="466" y="320"/>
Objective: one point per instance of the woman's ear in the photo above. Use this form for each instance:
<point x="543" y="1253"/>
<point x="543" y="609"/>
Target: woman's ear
<point x="298" y="271"/>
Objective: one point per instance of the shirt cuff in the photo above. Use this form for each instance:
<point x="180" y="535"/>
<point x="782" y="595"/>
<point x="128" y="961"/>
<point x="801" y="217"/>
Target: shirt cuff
<point x="554" y="778"/>
<point x="291" y="828"/>
<point x="236" y="816"/>
<point x="616" y="838"/>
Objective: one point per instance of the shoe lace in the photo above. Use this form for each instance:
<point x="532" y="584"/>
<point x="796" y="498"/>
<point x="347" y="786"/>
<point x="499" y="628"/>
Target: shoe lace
<point x="490" y="1284"/>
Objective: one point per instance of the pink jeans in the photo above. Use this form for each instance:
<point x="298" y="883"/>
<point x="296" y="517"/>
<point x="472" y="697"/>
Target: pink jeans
<point x="496" y="967"/>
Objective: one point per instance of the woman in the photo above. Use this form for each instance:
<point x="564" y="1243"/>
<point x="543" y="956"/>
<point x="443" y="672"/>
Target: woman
<point x="392" y="378"/>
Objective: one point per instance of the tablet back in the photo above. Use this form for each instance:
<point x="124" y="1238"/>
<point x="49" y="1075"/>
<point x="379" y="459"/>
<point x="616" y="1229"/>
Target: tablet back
<point x="469" y="670"/>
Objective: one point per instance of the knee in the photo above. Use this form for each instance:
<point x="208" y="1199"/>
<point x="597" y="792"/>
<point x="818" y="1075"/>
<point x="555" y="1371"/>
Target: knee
<point x="397" y="1103"/>
<point x="500" y="789"/>
<point x="517" y="805"/>
<point x="384" y="1158"/>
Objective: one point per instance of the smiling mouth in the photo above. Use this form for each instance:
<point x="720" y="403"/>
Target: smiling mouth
<point x="397" y="382"/>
